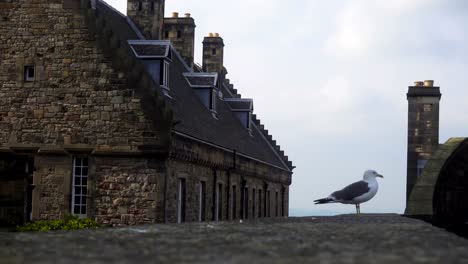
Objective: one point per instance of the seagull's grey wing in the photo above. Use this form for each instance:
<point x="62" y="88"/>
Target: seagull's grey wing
<point x="351" y="191"/>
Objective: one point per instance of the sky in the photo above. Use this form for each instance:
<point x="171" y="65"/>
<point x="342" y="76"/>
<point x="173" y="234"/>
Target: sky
<point x="329" y="81"/>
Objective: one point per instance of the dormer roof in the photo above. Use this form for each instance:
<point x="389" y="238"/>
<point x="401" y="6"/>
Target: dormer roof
<point x="240" y="104"/>
<point x="150" y="49"/>
<point x="201" y="79"/>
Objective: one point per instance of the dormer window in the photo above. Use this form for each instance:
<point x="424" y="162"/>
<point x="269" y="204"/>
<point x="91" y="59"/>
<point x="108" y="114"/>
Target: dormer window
<point x="156" y="56"/>
<point x="242" y="109"/>
<point x="204" y="86"/>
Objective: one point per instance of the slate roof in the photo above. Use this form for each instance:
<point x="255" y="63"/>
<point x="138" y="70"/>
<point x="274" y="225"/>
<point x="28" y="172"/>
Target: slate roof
<point x="191" y="116"/>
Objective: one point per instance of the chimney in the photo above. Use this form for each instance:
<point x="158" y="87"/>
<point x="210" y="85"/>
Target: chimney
<point x="213" y="54"/>
<point x="181" y="32"/>
<point x="148" y="16"/>
<point x="423" y="128"/>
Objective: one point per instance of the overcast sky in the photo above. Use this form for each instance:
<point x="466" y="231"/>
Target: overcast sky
<point x="329" y="81"/>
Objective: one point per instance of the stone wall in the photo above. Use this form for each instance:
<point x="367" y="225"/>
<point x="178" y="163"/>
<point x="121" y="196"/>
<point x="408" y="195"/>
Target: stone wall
<point x="127" y="191"/>
<point x="76" y="95"/>
<point x="196" y="162"/>
<point x="52" y="192"/>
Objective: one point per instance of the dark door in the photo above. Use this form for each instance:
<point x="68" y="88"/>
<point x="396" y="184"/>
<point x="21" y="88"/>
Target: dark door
<point x="15" y="189"/>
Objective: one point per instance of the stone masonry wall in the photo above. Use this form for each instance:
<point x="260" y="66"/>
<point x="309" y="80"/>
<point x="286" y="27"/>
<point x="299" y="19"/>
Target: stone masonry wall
<point x="196" y="162"/>
<point x="128" y="191"/>
<point x="52" y="178"/>
<point x="76" y="94"/>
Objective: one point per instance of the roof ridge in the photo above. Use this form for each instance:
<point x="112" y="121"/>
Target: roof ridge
<point x="261" y="127"/>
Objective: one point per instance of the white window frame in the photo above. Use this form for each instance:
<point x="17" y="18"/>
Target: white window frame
<point x="83" y="189"/>
<point x="165" y="80"/>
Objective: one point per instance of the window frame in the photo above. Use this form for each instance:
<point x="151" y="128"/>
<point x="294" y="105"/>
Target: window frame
<point x="27" y="70"/>
<point x="74" y="186"/>
<point x="164" y="81"/>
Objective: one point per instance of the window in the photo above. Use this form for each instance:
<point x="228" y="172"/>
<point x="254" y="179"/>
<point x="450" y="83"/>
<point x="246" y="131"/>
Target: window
<point x="179" y="34"/>
<point x="283" y="196"/>
<point x="165" y="75"/>
<point x="219" y="202"/>
<point x="29" y="73"/>
<point x="152" y="6"/>
<point x="259" y="203"/>
<point x="234" y="202"/>
<point x="246" y="203"/>
<point x="276" y="204"/>
<point x="166" y="34"/>
<point x="268" y="203"/>
<point x="181" y="201"/>
<point x="79" y="186"/>
<point x="253" y="203"/>
<point x="420" y="167"/>
<point x="140" y="6"/>
<point x="213" y="100"/>
<point x="213" y="51"/>
<point x="202" y="204"/>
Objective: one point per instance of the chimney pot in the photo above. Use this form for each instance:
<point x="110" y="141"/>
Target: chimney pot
<point x="210" y="35"/>
<point x="217" y="35"/>
<point x="418" y="83"/>
<point x="175" y="14"/>
<point x="187" y="15"/>
<point x="428" y="83"/>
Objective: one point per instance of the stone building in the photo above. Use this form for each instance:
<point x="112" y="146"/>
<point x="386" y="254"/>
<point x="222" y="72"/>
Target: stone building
<point x="437" y="174"/>
<point x="107" y="116"/>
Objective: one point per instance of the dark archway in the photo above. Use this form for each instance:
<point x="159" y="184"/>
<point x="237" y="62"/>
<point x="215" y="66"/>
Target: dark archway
<point x="15" y="189"/>
<point x="450" y="200"/>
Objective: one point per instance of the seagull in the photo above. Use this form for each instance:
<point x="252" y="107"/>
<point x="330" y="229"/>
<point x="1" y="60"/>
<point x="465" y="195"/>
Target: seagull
<point x="355" y="193"/>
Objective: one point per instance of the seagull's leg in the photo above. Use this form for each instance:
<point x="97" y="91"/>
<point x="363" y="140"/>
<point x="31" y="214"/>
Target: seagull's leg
<point x="359" y="208"/>
<point x="357" y="211"/>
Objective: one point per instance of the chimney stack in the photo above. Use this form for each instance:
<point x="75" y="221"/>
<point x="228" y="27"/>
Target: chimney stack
<point x="213" y="54"/>
<point x="423" y="128"/>
<point x="148" y="16"/>
<point x="181" y="32"/>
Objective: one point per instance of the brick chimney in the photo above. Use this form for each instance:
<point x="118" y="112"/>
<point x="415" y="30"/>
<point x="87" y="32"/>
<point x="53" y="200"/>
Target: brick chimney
<point x="213" y="54"/>
<point x="181" y="32"/>
<point x="148" y="16"/>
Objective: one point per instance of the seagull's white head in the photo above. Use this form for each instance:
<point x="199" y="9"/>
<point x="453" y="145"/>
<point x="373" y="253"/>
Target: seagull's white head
<point x="371" y="174"/>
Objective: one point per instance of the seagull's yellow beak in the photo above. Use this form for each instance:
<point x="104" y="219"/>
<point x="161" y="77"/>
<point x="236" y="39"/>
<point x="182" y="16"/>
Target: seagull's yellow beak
<point x="380" y="175"/>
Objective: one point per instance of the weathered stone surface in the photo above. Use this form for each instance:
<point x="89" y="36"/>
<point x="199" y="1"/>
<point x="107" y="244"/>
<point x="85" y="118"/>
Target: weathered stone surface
<point x="340" y="239"/>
